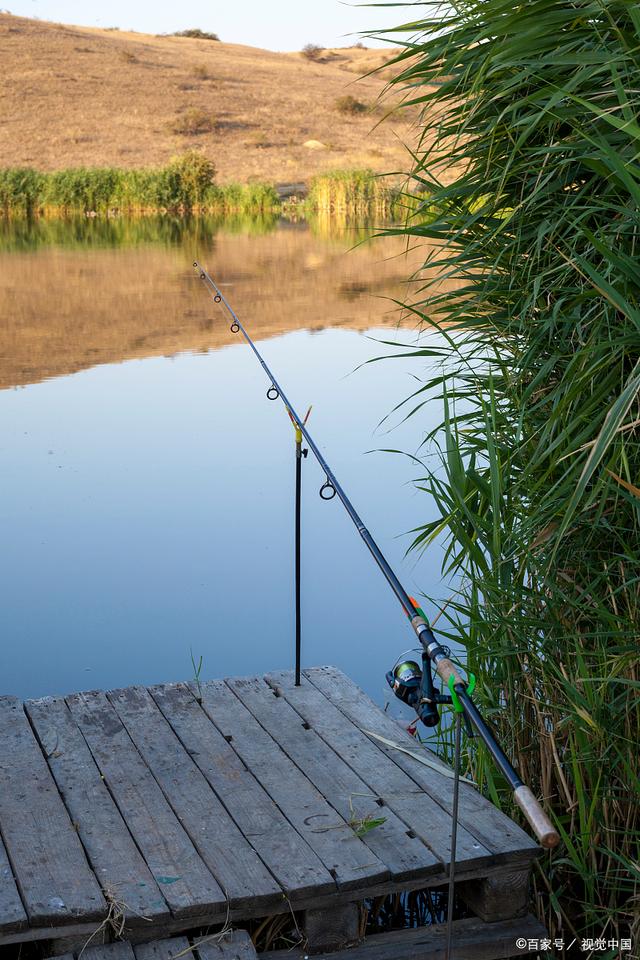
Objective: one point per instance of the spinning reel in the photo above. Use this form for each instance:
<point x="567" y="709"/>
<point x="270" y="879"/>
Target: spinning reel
<point x="414" y="686"/>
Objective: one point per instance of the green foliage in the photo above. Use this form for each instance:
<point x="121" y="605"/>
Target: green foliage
<point x="350" y="105"/>
<point x="250" y="197"/>
<point x="83" y="187"/>
<point x="187" y="184"/>
<point x="196" y="34"/>
<point x="20" y="190"/>
<point x="184" y="185"/>
<point x="530" y="154"/>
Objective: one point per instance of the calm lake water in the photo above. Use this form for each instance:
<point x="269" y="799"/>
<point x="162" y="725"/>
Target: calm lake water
<point x="147" y="483"/>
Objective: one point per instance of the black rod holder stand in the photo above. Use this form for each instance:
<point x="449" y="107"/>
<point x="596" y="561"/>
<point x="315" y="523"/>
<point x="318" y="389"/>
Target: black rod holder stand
<point x="300" y="453"/>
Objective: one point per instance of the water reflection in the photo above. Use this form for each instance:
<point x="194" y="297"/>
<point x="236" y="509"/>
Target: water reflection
<point x="96" y="298"/>
<point x="147" y="505"/>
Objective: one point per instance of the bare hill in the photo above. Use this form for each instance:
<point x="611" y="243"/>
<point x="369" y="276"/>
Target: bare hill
<point x="82" y="96"/>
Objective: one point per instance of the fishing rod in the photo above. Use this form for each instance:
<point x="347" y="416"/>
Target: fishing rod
<point x="422" y="697"/>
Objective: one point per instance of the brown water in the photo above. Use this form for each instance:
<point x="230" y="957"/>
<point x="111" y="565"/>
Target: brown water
<point x="146" y="484"/>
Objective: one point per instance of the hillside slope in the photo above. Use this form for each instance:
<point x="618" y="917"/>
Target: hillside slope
<point x="82" y="96"/>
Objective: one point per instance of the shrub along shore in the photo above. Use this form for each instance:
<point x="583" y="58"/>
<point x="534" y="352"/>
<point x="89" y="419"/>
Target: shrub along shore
<point x="186" y="185"/>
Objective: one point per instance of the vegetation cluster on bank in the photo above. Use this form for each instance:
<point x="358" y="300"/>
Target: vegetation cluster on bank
<point x="536" y="187"/>
<point x="186" y="185"/>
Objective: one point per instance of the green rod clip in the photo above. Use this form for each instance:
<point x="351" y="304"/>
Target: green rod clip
<point x="471" y="685"/>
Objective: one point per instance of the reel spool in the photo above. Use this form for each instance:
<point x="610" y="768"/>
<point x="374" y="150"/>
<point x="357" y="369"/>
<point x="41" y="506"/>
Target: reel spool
<point x="414" y="686"/>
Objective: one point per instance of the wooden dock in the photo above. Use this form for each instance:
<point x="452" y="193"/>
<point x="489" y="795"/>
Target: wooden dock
<point x="170" y="813"/>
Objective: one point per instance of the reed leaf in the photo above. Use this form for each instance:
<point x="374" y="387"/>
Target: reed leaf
<point x="529" y="146"/>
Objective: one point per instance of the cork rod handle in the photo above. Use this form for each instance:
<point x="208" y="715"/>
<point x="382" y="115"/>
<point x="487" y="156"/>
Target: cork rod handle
<point x="445" y="669"/>
<point x="538" y="820"/>
<point x="544" y="830"/>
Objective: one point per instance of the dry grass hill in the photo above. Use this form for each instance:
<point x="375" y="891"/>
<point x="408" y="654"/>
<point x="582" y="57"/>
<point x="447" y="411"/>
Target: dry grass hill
<point x="74" y="96"/>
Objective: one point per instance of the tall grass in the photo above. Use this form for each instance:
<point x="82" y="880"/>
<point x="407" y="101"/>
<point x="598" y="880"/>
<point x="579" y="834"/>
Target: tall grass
<point x="530" y="150"/>
<point x="185" y="185"/>
<point x="352" y="193"/>
<point x="188" y="185"/>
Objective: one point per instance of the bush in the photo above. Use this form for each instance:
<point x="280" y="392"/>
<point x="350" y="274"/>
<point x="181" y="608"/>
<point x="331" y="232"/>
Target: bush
<point x="350" y="105"/>
<point x="312" y="52"/>
<point x="194" y="122"/>
<point x="188" y="181"/>
<point x="196" y="34"/>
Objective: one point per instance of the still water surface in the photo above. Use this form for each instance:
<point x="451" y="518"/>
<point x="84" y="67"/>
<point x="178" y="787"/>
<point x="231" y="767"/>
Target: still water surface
<point x="147" y="483"/>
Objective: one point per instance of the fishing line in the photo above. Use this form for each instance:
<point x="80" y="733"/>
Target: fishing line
<point x="423" y="696"/>
<point x="454" y="834"/>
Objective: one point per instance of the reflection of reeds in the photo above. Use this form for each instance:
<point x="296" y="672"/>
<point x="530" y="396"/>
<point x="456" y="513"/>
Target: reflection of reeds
<point x="77" y="232"/>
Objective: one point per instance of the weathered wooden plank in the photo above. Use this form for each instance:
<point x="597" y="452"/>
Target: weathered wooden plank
<point x="405" y="856"/>
<point x="472" y="940"/>
<point x="187" y="884"/>
<point x="429" y="820"/>
<point x="232" y="946"/>
<point x="163" y="949"/>
<point x="110" y="951"/>
<point x="327" y="833"/>
<point x="290" y="859"/>
<point x="121" y="870"/>
<point x="12" y="912"/>
<point x="489" y="825"/>
<point x="51" y="870"/>
<point x="233" y="862"/>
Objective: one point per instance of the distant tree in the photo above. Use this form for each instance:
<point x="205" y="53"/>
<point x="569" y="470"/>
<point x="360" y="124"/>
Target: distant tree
<point x="196" y="34"/>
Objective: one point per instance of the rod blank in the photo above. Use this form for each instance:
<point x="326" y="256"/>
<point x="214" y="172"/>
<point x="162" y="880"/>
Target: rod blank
<point x="537" y="818"/>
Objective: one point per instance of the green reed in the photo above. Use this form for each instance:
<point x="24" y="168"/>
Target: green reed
<point x="529" y="152"/>
<point x="185" y="185"/>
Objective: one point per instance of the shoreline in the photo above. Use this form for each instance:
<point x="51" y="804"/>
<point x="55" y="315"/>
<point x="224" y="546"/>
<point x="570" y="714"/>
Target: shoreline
<point x="186" y="186"/>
